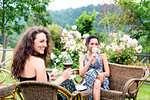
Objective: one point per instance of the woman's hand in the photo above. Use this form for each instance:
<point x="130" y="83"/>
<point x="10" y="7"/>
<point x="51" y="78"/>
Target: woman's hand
<point x="66" y="74"/>
<point x="52" y="77"/>
<point x="93" y="56"/>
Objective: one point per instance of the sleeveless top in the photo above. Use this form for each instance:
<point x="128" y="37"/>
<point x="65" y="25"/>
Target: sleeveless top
<point x="31" y="78"/>
<point x="97" y="65"/>
<point x="92" y="73"/>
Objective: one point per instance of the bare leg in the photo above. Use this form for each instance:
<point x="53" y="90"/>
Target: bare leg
<point x="100" y="77"/>
<point x="96" y="89"/>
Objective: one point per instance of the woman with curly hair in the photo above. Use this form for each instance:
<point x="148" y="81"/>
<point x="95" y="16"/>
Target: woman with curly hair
<point x="30" y="56"/>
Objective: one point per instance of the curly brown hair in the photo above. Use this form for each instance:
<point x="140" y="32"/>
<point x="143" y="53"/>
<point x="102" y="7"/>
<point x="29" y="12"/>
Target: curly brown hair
<point x="25" y="48"/>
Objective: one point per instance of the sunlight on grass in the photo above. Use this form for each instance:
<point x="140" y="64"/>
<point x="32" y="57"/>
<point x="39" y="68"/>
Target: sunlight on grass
<point x="8" y="78"/>
<point x="8" y="55"/>
<point x="144" y="92"/>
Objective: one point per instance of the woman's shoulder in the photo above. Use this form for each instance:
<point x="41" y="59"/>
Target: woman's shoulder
<point x="103" y="56"/>
<point x="36" y="60"/>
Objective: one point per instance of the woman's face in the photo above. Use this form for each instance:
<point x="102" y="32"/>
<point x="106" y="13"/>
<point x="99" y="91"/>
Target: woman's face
<point x="40" y="43"/>
<point x="93" y="43"/>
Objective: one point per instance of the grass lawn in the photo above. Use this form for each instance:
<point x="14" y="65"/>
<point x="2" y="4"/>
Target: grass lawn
<point x="144" y="92"/>
<point x="8" y="55"/>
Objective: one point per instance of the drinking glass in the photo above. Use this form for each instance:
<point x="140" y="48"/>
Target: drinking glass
<point x="67" y="62"/>
<point x="66" y="59"/>
<point x="95" y="50"/>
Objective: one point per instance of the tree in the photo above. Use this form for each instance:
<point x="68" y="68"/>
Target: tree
<point x="11" y="11"/>
<point x="139" y="12"/>
<point x="40" y="18"/>
<point x="85" y="22"/>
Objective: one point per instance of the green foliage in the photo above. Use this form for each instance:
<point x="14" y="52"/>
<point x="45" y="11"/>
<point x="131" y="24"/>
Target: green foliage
<point x="13" y="40"/>
<point x="55" y="31"/>
<point x="140" y="15"/>
<point x="40" y="18"/>
<point x="85" y="22"/>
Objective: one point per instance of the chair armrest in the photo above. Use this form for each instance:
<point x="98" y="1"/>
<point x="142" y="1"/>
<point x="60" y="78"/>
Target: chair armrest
<point x="67" y="93"/>
<point x="138" y="81"/>
<point x="4" y="71"/>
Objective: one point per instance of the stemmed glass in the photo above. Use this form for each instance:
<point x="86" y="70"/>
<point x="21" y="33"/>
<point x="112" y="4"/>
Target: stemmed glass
<point x="66" y="59"/>
<point x="95" y="50"/>
<point x="67" y="62"/>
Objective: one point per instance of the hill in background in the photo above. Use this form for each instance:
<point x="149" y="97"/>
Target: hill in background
<point x="69" y="16"/>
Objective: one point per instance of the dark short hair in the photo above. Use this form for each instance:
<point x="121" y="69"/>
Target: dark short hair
<point x="91" y="37"/>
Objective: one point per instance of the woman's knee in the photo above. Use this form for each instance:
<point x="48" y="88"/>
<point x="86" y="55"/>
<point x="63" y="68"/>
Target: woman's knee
<point x="97" y="83"/>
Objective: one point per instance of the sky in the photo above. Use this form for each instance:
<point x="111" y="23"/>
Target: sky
<point x="64" y="4"/>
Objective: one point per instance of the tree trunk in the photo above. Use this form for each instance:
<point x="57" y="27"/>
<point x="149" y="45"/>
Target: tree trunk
<point x="4" y="46"/>
<point x="4" y="40"/>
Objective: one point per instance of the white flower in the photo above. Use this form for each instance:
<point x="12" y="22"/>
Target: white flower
<point x="52" y="56"/>
<point x="85" y="36"/>
<point x="64" y="30"/>
<point x="135" y="42"/>
<point x="72" y="54"/>
<point x="60" y="56"/>
<point x="125" y="37"/>
<point x="138" y="49"/>
<point x="57" y="60"/>
<point x="77" y="34"/>
<point x="84" y="48"/>
<point x="108" y="47"/>
<point x="114" y="35"/>
<point x="128" y="45"/>
<point x="74" y="27"/>
<point x="132" y="42"/>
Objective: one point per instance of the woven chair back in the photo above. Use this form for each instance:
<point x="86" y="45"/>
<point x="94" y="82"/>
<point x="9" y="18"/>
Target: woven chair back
<point x="37" y="90"/>
<point x="120" y="74"/>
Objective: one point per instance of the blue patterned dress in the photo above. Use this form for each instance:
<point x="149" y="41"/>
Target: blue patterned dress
<point x="92" y="73"/>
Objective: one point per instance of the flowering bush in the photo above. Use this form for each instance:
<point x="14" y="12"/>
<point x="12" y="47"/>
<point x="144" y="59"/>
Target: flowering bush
<point x="122" y="49"/>
<point x="72" y="42"/>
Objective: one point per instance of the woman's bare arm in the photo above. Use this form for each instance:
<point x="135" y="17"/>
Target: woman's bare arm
<point x="39" y="67"/>
<point x="106" y="72"/>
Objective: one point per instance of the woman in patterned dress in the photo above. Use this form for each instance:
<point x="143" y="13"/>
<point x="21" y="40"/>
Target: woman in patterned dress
<point x="94" y="67"/>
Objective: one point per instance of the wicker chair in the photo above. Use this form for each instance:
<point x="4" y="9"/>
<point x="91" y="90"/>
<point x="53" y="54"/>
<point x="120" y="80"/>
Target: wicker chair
<point x="35" y="90"/>
<point x="7" y="90"/>
<point x="125" y="81"/>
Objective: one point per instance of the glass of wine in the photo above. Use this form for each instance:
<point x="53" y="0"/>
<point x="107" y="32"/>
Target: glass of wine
<point x="67" y="62"/>
<point x="66" y="59"/>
